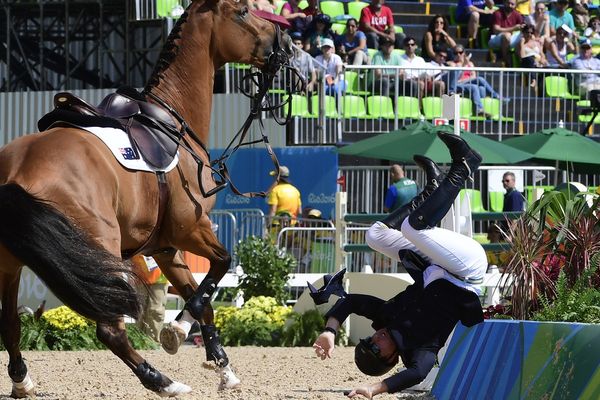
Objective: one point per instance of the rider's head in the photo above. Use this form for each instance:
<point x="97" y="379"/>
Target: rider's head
<point x="376" y="354"/>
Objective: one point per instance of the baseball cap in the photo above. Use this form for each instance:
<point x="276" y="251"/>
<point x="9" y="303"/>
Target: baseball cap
<point x="586" y="43"/>
<point x="327" y="42"/>
<point x="566" y="28"/>
<point x="314" y="213"/>
<point x="284" y="171"/>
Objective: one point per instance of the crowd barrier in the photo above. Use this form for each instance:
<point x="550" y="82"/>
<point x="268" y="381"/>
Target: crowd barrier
<point x="506" y="360"/>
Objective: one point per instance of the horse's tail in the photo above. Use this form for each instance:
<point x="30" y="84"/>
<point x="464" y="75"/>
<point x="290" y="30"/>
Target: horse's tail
<point x="83" y="275"/>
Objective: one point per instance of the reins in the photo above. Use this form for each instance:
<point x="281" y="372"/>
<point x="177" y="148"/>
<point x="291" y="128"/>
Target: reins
<point x="260" y="102"/>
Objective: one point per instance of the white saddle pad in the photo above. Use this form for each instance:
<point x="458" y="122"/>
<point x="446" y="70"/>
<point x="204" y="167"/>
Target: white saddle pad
<point x="119" y="144"/>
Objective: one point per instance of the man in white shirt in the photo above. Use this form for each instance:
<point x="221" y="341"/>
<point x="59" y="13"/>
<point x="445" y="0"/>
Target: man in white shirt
<point x="413" y="77"/>
<point x="435" y="83"/>
<point x="586" y="61"/>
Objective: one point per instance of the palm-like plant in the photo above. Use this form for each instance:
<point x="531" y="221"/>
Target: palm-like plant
<point x="558" y="232"/>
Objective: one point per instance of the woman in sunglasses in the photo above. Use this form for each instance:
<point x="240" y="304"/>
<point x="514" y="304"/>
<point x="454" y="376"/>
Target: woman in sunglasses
<point x="436" y="38"/>
<point x="531" y="49"/>
<point x="446" y="267"/>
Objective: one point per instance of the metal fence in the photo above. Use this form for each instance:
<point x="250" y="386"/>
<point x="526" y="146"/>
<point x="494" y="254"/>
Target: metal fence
<point x="497" y="101"/>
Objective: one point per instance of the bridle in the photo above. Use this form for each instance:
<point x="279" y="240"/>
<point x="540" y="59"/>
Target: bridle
<point x="259" y="102"/>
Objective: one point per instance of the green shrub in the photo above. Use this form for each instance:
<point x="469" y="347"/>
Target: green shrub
<point x="63" y="329"/>
<point x="579" y="303"/>
<point x="266" y="269"/>
<point x="305" y="328"/>
<point x="259" y="322"/>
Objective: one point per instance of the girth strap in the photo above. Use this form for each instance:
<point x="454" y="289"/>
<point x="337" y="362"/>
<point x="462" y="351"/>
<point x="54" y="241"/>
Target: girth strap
<point x="149" y="246"/>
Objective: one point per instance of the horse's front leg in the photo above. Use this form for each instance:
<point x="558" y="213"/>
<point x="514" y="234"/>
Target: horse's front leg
<point x="10" y="329"/>
<point x="114" y="336"/>
<point x="198" y="308"/>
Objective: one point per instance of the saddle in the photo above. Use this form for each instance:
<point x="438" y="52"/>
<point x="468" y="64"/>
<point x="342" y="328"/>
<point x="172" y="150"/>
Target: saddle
<point x="152" y="130"/>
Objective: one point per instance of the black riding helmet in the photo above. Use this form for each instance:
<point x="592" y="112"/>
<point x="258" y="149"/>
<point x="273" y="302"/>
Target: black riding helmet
<point x="366" y="358"/>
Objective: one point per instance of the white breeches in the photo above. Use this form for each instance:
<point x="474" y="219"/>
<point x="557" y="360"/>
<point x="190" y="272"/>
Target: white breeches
<point x="458" y="254"/>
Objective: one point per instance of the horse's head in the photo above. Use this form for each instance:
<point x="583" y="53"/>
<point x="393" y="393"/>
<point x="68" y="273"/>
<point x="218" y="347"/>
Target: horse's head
<point x="238" y="35"/>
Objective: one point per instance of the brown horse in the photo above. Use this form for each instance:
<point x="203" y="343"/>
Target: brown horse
<point x="71" y="212"/>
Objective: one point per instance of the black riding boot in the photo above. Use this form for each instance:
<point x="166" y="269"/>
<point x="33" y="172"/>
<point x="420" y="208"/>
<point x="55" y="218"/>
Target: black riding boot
<point x="464" y="162"/>
<point x="433" y="177"/>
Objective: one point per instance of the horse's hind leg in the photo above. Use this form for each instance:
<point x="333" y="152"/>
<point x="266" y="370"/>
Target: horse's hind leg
<point x="10" y="329"/>
<point x="114" y="336"/>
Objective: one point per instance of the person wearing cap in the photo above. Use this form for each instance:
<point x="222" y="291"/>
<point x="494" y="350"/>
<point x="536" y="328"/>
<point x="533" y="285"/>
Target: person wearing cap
<point x="330" y="66"/>
<point x="284" y="197"/>
<point x="377" y="22"/>
<point x="318" y="30"/>
<point x="587" y="62"/>
<point x="303" y="62"/>
<point x="506" y="24"/>
<point x="382" y="79"/>
<point x="559" y="47"/>
<point x="446" y="267"/>
<point x="560" y="16"/>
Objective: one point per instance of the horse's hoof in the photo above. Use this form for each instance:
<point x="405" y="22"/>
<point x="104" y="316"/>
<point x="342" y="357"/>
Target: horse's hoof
<point x="171" y="337"/>
<point x="25" y="389"/>
<point x="228" y="379"/>
<point x="174" y="389"/>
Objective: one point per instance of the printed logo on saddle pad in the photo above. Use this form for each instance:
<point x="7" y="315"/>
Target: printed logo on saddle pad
<point x="119" y="144"/>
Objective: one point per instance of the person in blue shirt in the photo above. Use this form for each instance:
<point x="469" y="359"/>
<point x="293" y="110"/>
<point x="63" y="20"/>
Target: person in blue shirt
<point x="401" y="191"/>
<point x="513" y="199"/>
<point x="352" y="44"/>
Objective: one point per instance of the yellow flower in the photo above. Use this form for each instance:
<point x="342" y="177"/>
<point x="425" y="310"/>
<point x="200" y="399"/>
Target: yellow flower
<point x="63" y="318"/>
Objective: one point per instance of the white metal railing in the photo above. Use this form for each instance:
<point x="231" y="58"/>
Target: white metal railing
<point x="520" y="104"/>
<point x="142" y="10"/>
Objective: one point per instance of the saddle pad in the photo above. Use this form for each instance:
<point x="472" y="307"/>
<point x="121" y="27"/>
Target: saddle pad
<point x="119" y="144"/>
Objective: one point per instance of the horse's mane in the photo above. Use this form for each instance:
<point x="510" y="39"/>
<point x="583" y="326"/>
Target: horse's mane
<point x="168" y="52"/>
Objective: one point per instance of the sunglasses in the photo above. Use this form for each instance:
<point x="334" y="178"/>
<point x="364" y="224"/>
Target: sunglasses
<point x="459" y="52"/>
<point x="505" y="180"/>
<point x="540" y="9"/>
<point x="411" y="44"/>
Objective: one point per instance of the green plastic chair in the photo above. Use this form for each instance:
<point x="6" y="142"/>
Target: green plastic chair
<point x="332" y="8"/>
<point x="371" y="53"/>
<point x="408" y="107"/>
<point x="474" y="199"/>
<point x="353" y="83"/>
<point x="279" y="4"/>
<point x="355" y="7"/>
<point x="338" y="28"/>
<point x="164" y="7"/>
<point x="530" y="192"/>
<point x="354" y="107"/>
<point x="330" y="106"/>
<point x="400" y="52"/>
<point x="380" y="107"/>
<point x="558" y="86"/>
<point x="303" y="4"/>
<point x="299" y="105"/>
<point x="496" y="201"/>
<point x="432" y="107"/>
<point x="492" y="106"/>
<point x="398" y="29"/>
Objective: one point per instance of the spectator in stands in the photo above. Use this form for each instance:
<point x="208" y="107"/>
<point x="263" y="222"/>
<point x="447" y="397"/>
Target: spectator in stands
<point x="262" y="5"/>
<point x="434" y="83"/>
<point x="580" y="13"/>
<point x="436" y="38"/>
<point x="468" y="82"/>
<point x="505" y="23"/>
<point x="284" y="198"/>
<point x="560" y="16"/>
<point x="513" y="199"/>
<point x="559" y="47"/>
<point x="332" y="68"/>
<point x="384" y="78"/>
<point x="318" y="30"/>
<point x="446" y="268"/>
<point x="475" y="13"/>
<point x="377" y="22"/>
<point x="531" y="49"/>
<point x="413" y="78"/>
<point x="586" y="61"/>
<point x="304" y="63"/>
<point x="592" y="31"/>
<point x="297" y="18"/>
<point x="401" y="191"/>
<point x="352" y="44"/>
<point x="540" y="20"/>
<point x="153" y="292"/>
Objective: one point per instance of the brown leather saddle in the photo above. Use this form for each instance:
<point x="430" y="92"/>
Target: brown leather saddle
<point x="152" y="130"/>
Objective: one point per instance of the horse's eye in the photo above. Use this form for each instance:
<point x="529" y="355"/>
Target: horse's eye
<point x="244" y="12"/>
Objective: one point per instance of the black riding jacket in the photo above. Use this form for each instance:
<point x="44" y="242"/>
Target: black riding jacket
<point x="420" y="321"/>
